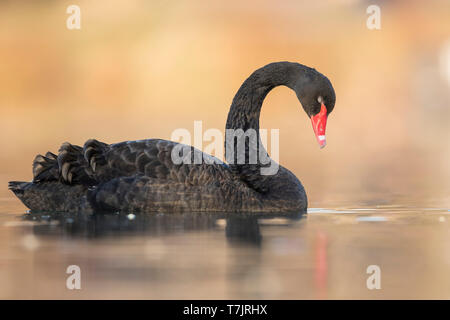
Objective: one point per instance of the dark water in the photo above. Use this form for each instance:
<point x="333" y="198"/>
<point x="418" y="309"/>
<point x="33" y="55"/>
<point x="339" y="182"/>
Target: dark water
<point x="323" y="254"/>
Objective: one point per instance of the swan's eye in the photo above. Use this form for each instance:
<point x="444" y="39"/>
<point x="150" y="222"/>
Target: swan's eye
<point x="320" y="99"/>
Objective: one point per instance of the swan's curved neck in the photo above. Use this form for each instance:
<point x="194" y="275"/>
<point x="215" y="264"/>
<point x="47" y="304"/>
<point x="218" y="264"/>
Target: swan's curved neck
<point x="246" y="106"/>
<point x="245" y="112"/>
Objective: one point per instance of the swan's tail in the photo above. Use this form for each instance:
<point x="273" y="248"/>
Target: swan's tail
<point x="60" y="182"/>
<point x="51" y="196"/>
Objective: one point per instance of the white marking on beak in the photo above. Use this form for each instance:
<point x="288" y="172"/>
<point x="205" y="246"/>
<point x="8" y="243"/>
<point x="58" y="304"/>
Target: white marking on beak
<point x="321" y="138"/>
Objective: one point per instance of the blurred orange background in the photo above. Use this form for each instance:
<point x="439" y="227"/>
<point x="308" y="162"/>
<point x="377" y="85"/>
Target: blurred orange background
<point x="141" y="69"/>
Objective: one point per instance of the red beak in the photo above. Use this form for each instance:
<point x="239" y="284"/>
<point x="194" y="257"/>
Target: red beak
<point x="319" y="122"/>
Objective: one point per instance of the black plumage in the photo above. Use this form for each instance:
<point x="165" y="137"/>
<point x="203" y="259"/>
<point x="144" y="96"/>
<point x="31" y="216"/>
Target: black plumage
<point x="140" y="176"/>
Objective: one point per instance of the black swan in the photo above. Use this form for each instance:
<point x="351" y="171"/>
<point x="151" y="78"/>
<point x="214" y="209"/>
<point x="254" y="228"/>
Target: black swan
<point x="141" y="176"/>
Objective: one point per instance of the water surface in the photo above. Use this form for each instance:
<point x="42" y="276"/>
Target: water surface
<point x="323" y="254"/>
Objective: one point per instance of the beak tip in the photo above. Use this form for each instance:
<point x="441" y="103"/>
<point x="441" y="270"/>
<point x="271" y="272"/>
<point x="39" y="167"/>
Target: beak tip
<point x="322" y="141"/>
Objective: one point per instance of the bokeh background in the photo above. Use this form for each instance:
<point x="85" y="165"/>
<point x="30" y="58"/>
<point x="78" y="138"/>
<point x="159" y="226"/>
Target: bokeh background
<point x="141" y="69"/>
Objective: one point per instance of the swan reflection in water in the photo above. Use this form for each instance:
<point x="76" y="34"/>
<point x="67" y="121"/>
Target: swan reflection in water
<point x="239" y="228"/>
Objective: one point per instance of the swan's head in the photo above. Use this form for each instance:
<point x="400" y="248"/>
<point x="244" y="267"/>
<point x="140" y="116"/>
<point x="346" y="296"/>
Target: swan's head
<point x="316" y="94"/>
